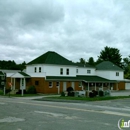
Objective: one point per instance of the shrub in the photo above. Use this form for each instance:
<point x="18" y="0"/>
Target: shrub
<point x="91" y="95"/>
<point x="31" y="90"/>
<point x="101" y="93"/>
<point x="69" y="89"/>
<point x="71" y="94"/>
<point x="62" y="94"/>
<point x="1" y="91"/>
<point x="95" y="93"/>
<point x="7" y="90"/>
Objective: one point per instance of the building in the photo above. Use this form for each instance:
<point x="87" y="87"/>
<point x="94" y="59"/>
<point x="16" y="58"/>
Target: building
<point x="52" y="73"/>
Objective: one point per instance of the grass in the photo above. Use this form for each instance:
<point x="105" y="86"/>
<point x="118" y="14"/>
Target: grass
<point x="89" y="99"/>
<point x="19" y="95"/>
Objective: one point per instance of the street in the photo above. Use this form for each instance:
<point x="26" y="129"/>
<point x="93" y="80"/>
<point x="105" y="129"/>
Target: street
<point x="27" y="114"/>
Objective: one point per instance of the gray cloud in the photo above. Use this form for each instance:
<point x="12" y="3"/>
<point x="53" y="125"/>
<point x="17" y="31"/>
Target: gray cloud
<point x="74" y="29"/>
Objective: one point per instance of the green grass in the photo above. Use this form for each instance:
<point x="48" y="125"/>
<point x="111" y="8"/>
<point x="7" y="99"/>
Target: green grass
<point x="89" y="99"/>
<point x="19" y="95"/>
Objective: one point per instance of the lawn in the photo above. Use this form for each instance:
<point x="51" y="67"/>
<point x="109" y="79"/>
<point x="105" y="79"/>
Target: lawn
<point x="87" y="98"/>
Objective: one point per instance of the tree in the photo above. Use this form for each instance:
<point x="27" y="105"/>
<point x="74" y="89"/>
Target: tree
<point x="91" y="61"/>
<point x="110" y="54"/>
<point x="126" y="67"/>
<point x="82" y="61"/>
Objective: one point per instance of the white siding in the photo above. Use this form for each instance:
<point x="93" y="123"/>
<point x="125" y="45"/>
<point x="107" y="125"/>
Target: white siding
<point x="83" y="71"/>
<point x="31" y="68"/>
<point x="54" y="70"/>
<point x="127" y="86"/>
<point x="110" y="74"/>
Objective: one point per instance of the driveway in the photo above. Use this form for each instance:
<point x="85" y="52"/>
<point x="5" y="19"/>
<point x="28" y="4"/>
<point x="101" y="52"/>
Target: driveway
<point x="121" y="93"/>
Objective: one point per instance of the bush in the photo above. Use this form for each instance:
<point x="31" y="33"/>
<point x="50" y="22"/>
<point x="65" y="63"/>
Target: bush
<point x="31" y="90"/>
<point x="62" y="94"/>
<point x="91" y="95"/>
<point x="69" y="89"/>
<point x="7" y="90"/>
<point x="95" y="93"/>
<point x="1" y="92"/>
<point x="71" y="94"/>
<point x="101" y="93"/>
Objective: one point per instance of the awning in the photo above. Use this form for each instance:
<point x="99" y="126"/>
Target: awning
<point x="20" y="75"/>
<point x="79" y="78"/>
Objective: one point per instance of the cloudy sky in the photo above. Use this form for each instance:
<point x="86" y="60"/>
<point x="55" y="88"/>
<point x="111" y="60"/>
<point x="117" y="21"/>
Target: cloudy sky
<point x="72" y="28"/>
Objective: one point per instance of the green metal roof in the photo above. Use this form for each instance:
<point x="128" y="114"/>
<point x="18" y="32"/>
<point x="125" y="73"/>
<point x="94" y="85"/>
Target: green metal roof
<point x="107" y="65"/>
<point x="79" y="78"/>
<point x="51" y="58"/>
<point x="24" y="74"/>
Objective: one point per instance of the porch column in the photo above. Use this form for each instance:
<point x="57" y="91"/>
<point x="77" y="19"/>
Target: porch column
<point x="95" y="86"/>
<point x="81" y="85"/>
<point x="58" y="88"/>
<point x="102" y="86"/>
<point x="109" y="89"/>
<point x="24" y="83"/>
<point x="14" y="84"/>
<point x="11" y="83"/>
<point x="88" y="89"/>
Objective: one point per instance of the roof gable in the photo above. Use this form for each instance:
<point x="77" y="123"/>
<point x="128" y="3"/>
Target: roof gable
<point x="51" y="58"/>
<point x="107" y="65"/>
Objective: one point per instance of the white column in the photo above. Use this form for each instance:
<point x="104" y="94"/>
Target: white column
<point x="82" y="85"/>
<point x="14" y="84"/>
<point x="88" y="89"/>
<point x="11" y="83"/>
<point x="95" y="86"/>
<point x="58" y="87"/>
<point x="24" y="83"/>
<point x="102" y="86"/>
<point x="109" y="89"/>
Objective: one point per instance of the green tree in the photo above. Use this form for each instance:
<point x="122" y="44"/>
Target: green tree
<point x="110" y="54"/>
<point x="82" y="61"/>
<point x="126" y="67"/>
<point x="91" y="61"/>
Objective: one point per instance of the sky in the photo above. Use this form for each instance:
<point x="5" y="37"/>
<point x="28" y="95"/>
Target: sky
<point x="73" y="28"/>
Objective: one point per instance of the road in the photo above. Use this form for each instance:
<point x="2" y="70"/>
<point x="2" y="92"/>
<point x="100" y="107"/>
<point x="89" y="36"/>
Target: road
<point x="27" y="114"/>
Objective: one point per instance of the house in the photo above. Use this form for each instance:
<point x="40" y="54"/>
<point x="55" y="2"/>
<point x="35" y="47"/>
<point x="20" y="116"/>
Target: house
<point x="52" y="73"/>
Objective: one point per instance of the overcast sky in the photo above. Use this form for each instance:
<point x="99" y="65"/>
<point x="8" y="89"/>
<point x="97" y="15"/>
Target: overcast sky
<point x="72" y="28"/>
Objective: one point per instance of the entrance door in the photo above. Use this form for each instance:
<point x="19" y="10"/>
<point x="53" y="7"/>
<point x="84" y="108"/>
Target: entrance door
<point x="64" y="86"/>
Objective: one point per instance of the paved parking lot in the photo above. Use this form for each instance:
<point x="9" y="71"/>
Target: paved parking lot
<point x="121" y="93"/>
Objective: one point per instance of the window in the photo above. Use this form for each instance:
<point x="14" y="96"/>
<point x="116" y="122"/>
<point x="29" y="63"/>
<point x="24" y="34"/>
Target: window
<point x="35" y="69"/>
<point x="36" y="82"/>
<point x="39" y="69"/>
<point x="67" y="71"/>
<point x="76" y="70"/>
<point x="61" y="71"/>
<point x="57" y="84"/>
<point x="88" y="71"/>
<point x="117" y="73"/>
<point x="50" y="84"/>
